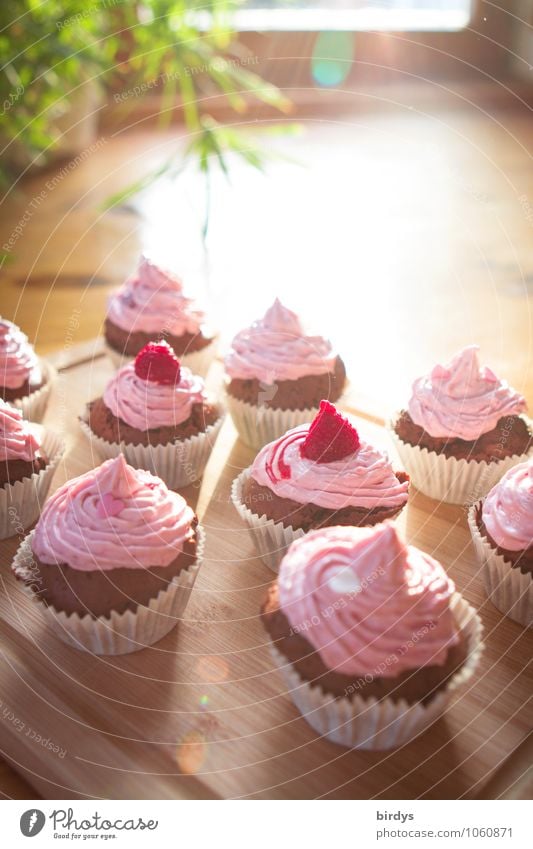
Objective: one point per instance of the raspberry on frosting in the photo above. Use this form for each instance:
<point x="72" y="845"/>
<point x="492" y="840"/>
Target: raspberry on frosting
<point x="331" y="437"/>
<point x="158" y="363"/>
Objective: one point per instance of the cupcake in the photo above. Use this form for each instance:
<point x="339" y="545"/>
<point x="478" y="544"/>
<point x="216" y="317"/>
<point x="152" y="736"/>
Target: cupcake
<point x="502" y="531"/>
<point x="277" y="376"/>
<point x="157" y="413"/>
<point x="151" y="306"/>
<point x="112" y="560"/>
<point x="25" y="380"/>
<point x="462" y="430"/>
<point x="369" y="635"/>
<point x="315" y="475"/>
<point x="29" y="455"/>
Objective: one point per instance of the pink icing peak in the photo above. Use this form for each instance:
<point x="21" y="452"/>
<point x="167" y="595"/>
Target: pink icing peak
<point x="144" y="404"/>
<point x="462" y="399"/>
<point x="153" y="301"/>
<point x="277" y="348"/>
<point x="157" y="277"/>
<point x="282" y="319"/>
<point x="366" y="602"/>
<point x="19" y="439"/>
<point x="362" y="479"/>
<point x="508" y="509"/>
<point x="18" y="360"/>
<point x="113" y="517"/>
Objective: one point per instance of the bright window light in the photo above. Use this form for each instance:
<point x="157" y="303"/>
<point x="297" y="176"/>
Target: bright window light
<point x="391" y="15"/>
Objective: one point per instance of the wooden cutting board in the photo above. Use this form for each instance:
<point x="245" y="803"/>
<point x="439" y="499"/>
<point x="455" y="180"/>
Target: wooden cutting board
<point x="202" y="714"/>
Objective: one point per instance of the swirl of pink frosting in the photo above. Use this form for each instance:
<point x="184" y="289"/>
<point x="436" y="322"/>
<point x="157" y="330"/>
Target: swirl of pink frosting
<point x="18" y="438"/>
<point x="144" y="404"/>
<point x="362" y="479"/>
<point x="153" y="301"/>
<point x="276" y="348"/>
<point x="113" y="517"/>
<point x="462" y="399"/>
<point x="508" y="509"/>
<point x="18" y="361"/>
<point x="366" y="602"/>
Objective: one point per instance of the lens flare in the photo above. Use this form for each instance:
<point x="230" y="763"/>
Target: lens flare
<point x="332" y="57"/>
<point x="212" y="669"/>
<point x="204" y="702"/>
<point x="191" y="753"/>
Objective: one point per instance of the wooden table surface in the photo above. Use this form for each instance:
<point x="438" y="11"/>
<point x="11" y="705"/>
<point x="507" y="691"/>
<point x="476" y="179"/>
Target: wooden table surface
<point x="403" y="233"/>
<point x="203" y="713"/>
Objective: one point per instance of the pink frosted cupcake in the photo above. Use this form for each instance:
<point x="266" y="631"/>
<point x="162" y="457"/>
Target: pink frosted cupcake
<point x="462" y="430"/>
<point x="369" y="634"/>
<point x="502" y="531"/>
<point x="150" y="306"/>
<point x="25" y="379"/>
<point x="158" y="414"/>
<point x="29" y="455"/>
<point x="112" y="560"/>
<point x="316" y="475"/>
<point x="277" y="375"/>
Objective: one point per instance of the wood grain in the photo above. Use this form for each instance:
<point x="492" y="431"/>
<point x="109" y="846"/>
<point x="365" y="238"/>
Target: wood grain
<point x="202" y="714"/>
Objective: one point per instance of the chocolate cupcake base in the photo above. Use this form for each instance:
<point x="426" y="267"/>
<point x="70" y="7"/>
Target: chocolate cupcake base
<point x="21" y="500"/>
<point x="457" y="481"/>
<point x="414" y="685"/>
<point x="98" y="592"/>
<point x="508" y="587"/>
<point x="378" y="724"/>
<point x="301" y="394"/>
<point x="512" y="436"/>
<point x="179" y="463"/>
<point x="112" y="429"/>
<point x="255" y="505"/>
<point x="129" y="344"/>
<point x="116" y="633"/>
<point x="308" y="517"/>
<point x="33" y="405"/>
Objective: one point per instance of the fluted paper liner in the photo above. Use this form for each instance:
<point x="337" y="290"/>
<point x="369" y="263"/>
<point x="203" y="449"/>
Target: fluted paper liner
<point x="33" y="406"/>
<point x="22" y="501"/>
<point x="272" y="539"/>
<point x="197" y="361"/>
<point x="258" y="426"/>
<point x="119" y="633"/>
<point x="448" y="479"/>
<point x="374" y="724"/>
<point x="177" y="463"/>
<point x="507" y="587"/>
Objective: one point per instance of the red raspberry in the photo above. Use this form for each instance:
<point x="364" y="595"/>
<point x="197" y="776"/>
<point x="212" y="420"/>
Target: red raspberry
<point x="331" y="436"/>
<point x="158" y="363"/>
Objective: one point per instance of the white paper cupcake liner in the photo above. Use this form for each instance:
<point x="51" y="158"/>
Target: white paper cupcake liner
<point x="360" y="723"/>
<point x="507" y="587"/>
<point x="177" y="463"/>
<point x="33" y="406"/>
<point x="22" y="501"/>
<point x="197" y="361"/>
<point x="258" y="426"/>
<point x="448" y="479"/>
<point x="120" y="633"/>
<point x="271" y="539"/>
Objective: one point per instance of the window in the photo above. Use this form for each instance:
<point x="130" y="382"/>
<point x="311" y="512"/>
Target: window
<point x="392" y="15"/>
